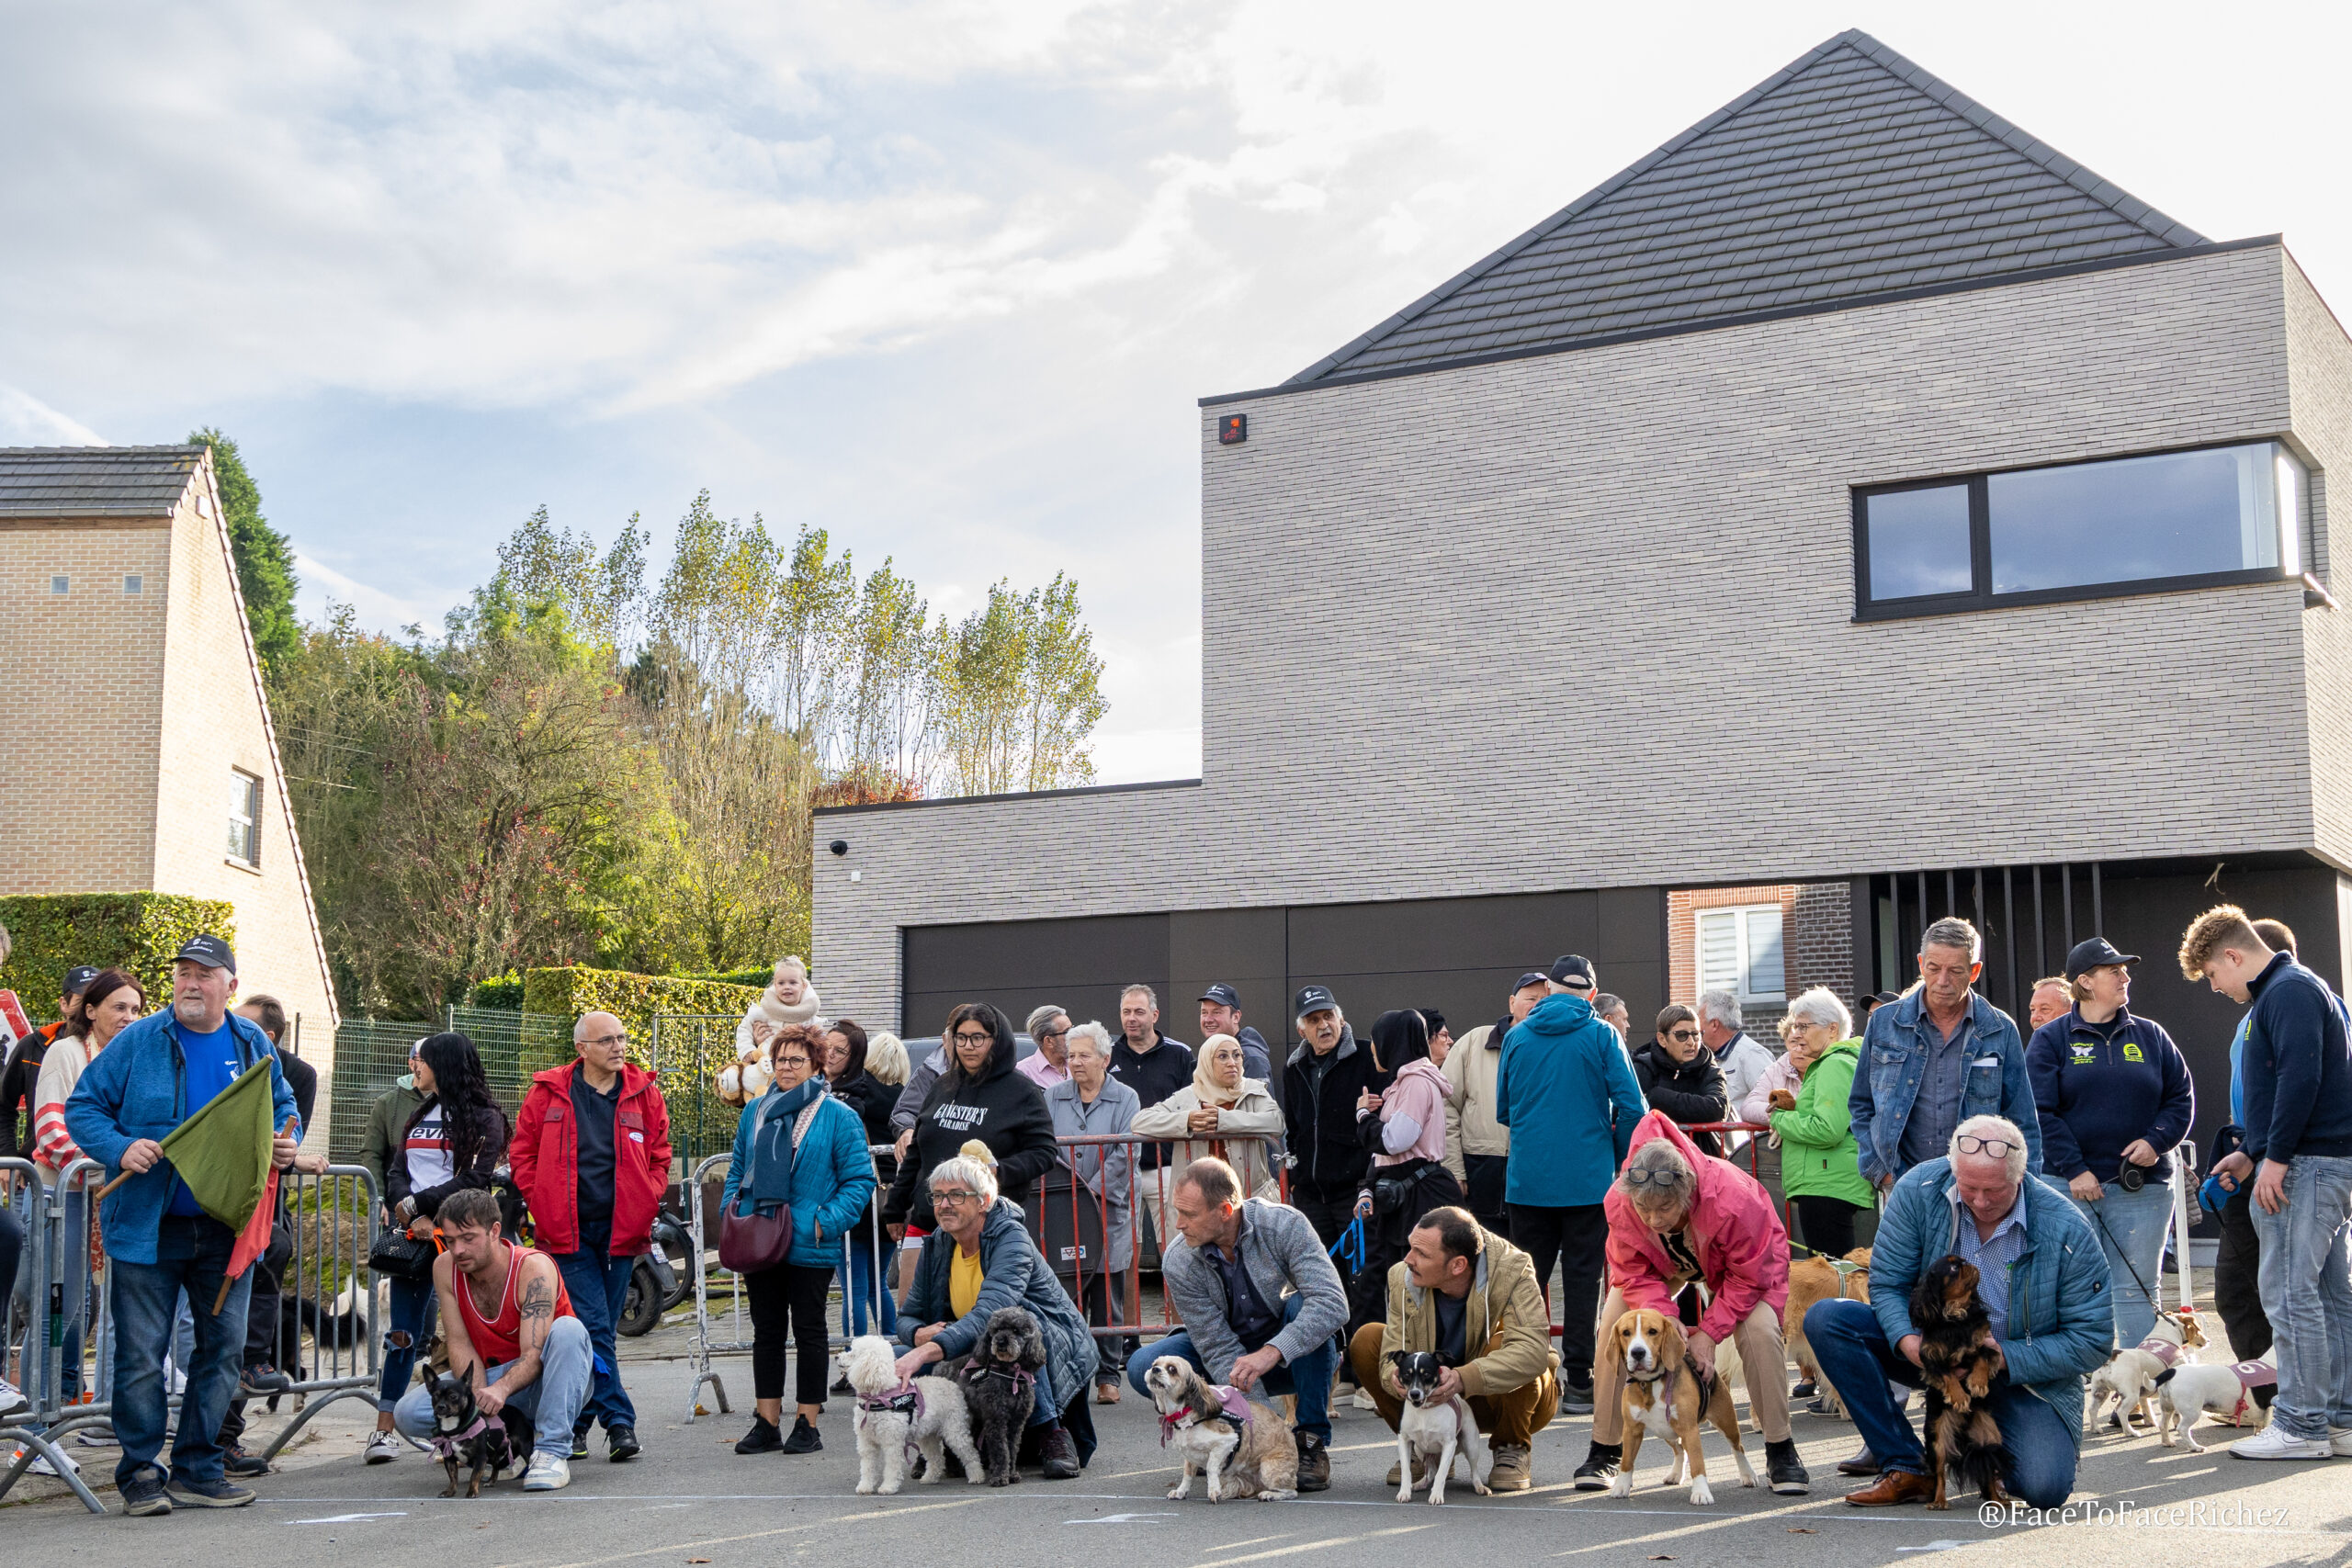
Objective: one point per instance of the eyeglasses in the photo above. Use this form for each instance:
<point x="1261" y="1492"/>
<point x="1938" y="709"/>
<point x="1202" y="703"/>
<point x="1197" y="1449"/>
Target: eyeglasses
<point x="1652" y="1177"/>
<point x="1043" y="1034"/>
<point x="955" y="1195"/>
<point x="795" y="1060"/>
<point x="1970" y="1143"/>
<point x="607" y="1039"/>
<point x="966" y="1037"/>
<point x="1683" y="1034"/>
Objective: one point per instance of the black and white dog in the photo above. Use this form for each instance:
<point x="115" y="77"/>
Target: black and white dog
<point x="1434" y="1429"/>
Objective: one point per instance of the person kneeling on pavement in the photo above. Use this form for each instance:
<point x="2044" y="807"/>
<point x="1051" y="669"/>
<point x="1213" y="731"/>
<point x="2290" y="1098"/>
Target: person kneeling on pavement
<point x="1677" y="1215"/>
<point x="1460" y="1288"/>
<point x="1259" y="1302"/>
<point x="2044" y="1283"/>
<point x="509" y="1328"/>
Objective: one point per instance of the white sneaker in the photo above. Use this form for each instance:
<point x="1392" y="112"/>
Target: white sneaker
<point x="2275" y="1441"/>
<point x="1364" y="1400"/>
<point x="2339" y="1441"/>
<point x="12" y="1398"/>
<point x="41" y="1465"/>
<point x="383" y="1447"/>
<point x="548" y="1473"/>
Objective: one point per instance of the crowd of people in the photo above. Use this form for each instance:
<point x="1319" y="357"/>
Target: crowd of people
<point x="1314" y="1216"/>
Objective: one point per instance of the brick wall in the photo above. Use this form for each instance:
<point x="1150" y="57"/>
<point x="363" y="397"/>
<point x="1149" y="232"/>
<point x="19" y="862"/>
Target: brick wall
<point x="1691" y="498"/>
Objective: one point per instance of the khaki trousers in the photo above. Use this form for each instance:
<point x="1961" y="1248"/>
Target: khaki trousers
<point x="1763" y="1361"/>
<point x="1514" y="1416"/>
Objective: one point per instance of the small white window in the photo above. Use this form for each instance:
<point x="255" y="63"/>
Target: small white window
<point x="58" y="585"/>
<point x="134" y="585"/>
<point x="245" y="818"/>
<point x="1739" y="950"/>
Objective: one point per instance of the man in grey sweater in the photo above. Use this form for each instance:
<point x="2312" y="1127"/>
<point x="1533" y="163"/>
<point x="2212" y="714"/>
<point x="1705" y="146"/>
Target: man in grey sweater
<point x="1227" y="1275"/>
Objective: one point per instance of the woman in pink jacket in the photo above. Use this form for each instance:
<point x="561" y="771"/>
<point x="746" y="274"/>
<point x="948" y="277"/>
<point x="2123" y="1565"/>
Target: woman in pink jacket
<point x="1404" y="1126"/>
<point x="1677" y="1215"/>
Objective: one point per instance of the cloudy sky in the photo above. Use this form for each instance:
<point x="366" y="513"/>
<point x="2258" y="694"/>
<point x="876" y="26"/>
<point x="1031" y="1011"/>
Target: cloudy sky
<point x="944" y="279"/>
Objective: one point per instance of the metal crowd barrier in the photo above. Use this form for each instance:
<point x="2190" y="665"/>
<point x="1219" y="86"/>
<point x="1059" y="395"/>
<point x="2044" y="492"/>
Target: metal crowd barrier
<point x="1061" y="1191"/>
<point x="67" y="1336"/>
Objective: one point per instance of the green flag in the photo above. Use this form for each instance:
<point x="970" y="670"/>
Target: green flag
<point x="223" y="1151"/>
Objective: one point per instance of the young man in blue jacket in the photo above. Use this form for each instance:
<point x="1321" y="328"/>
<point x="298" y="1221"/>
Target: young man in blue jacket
<point x="1567" y="1093"/>
<point x="150" y="1079"/>
<point x="2296" y="1069"/>
<point x="1935" y="1058"/>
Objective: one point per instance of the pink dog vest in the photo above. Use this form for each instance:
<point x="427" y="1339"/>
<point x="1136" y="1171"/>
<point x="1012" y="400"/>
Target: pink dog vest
<point x="2164" y="1350"/>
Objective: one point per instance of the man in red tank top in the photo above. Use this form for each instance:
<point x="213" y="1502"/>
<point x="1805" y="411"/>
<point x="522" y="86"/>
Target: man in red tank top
<point x="510" y="1326"/>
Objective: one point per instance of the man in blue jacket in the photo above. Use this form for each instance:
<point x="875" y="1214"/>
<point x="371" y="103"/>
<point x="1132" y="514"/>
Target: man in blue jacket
<point x="2296" y="1069"/>
<point x="1566" y="1092"/>
<point x="2044" y="1283"/>
<point x="1937" y="1057"/>
<point x="150" y="1079"/>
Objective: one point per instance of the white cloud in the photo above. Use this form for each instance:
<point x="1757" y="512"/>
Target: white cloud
<point x="26" y="421"/>
<point x="323" y="585"/>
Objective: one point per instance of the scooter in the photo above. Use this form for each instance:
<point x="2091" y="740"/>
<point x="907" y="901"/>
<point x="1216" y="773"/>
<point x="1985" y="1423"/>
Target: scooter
<point x="657" y="1284"/>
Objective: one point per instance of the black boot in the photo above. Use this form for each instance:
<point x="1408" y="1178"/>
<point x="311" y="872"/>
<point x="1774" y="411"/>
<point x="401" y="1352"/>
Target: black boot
<point x="1783" y="1471"/>
<point x="1059" y="1454"/>
<point x="1598" y="1469"/>
<point x="1313" y="1463"/>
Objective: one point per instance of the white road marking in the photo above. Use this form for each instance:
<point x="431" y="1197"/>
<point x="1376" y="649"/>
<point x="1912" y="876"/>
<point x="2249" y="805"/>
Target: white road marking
<point x="347" y="1518"/>
<point x="1311" y="1546"/>
<point x="1933" y="1546"/>
<point x="1121" y="1519"/>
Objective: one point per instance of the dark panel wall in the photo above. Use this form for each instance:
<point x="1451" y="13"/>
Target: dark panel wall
<point x="1458" y="955"/>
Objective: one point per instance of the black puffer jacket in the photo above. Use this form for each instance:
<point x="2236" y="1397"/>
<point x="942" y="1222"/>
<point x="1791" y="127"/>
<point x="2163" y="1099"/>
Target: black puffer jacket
<point x="872" y="1099"/>
<point x="1003" y="1108"/>
<point x="1327" y="1154"/>
<point x="1690" y="1092"/>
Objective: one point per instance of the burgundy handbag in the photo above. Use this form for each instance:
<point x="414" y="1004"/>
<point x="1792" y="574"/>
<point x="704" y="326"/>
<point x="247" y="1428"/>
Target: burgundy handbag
<point x="750" y="1243"/>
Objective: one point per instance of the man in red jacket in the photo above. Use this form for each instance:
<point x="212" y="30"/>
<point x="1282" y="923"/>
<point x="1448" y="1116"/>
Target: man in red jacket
<point x="591" y="1152"/>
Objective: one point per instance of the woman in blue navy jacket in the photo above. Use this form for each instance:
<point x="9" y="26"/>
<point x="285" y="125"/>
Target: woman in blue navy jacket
<point x="2114" y="1095"/>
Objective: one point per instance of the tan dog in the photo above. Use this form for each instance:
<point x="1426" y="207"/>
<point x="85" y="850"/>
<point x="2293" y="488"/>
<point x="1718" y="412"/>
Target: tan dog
<point x="1662" y="1398"/>
<point x="1244" y="1448"/>
<point x="1814" y="1279"/>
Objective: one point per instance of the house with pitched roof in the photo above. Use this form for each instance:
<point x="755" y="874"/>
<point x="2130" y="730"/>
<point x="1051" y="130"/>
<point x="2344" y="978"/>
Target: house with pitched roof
<point x="140" y="755"/>
<point x="1852" y="512"/>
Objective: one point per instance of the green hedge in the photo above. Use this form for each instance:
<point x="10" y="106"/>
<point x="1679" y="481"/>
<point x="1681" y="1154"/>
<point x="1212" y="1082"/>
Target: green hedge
<point x="635" y="1000"/>
<point x="138" y="933"/>
<point x="500" y="992"/>
<point x="757" y="978"/>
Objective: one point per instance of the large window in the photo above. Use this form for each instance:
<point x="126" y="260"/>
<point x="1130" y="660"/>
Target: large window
<point x="2195" y="519"/>
<point x="1739" y="950"/>
<point x="245" y="818"/>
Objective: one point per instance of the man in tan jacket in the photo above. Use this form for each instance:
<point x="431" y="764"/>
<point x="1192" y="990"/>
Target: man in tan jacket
<point x="1477" y="1147"/>
<point x="1463" y="1288"/>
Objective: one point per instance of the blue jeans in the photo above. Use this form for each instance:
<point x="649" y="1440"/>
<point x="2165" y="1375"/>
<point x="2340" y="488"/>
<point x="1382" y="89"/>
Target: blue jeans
<point x="551" y="1402"/>
<point x="2133" y="1239"/>
<point x="412" y="1324"/>
<point x="863" y="1292"/>
<point x="191" y="1253"/>
<point x="2307" y="1293"/>
<point x="598" y="1285"/>
<point x="2038" y="1453"/>
<point x="1308" y="1377"/>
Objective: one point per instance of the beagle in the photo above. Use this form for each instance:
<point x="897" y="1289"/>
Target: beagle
<point x="1663" y="1398"/>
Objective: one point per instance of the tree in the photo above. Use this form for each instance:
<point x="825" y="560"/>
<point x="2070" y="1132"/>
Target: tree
<point x="263" y="557"/>
<point x="1018" y="688"/>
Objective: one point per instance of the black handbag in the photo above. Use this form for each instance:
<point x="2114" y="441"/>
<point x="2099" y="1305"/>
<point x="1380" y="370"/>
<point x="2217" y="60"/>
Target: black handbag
<point x="399" y="1256"/>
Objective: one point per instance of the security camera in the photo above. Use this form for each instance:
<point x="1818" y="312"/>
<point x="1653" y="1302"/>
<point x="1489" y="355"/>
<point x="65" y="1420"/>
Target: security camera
<point x="839" y="846"/>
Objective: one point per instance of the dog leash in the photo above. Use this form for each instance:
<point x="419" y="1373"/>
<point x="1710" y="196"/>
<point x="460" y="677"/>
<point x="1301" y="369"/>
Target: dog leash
<point x="2147" y="1294"/>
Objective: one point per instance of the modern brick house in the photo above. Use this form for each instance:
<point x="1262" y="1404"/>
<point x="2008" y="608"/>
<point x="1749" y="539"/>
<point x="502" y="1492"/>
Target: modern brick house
<point x="1855" y="510"/>
<point x="140" y="754"/>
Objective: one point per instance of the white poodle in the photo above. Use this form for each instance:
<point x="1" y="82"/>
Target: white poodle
<point x="925" y="1415"/>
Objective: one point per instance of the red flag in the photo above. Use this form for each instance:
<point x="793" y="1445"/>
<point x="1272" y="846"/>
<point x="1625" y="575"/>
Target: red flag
<point x="254" y="1240"/>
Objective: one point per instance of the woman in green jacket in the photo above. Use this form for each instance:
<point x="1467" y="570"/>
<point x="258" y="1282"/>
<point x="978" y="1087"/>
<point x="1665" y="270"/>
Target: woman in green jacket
<point x="1820" y="1168"/>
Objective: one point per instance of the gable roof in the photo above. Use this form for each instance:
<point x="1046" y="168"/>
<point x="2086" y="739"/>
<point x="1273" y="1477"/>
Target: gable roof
<point x="95" y="481"/>
<point x="1849" y="174"/>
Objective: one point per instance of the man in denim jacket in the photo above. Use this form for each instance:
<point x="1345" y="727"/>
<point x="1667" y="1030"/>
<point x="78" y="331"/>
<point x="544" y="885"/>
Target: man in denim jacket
<point x="1937" y="1057"/>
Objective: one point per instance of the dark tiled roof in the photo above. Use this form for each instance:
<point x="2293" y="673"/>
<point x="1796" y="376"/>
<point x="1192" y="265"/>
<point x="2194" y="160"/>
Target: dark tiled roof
<point x="1850" y="173"/>
<point x="95" y="481"/>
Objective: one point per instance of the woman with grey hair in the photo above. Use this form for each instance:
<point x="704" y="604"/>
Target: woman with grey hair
<point x="1820" y="1164"/>
<point x="1092" y="1105"/>
<point x="1049" y="1027"/>
<point x="979" y="1259"/>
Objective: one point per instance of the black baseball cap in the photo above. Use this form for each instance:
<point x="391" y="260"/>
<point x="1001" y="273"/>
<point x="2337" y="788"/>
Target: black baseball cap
<point x="1315" y="998"/>
<point x="208" y="951"/>
<point x="78" y="979"/>
<point x="1532" y="978"/>
<point x="1573" y="970"/>
<point x="2095" y="953"/>
<point x="1222" y="995"/>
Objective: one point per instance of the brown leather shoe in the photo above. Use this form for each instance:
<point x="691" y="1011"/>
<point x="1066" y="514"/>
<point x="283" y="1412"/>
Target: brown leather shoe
<point x="1106" y="1393"/>
<point x="1895" y="1487"/>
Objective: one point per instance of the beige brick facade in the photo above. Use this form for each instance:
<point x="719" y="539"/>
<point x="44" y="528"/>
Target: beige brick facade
<point x="132" y="712"/>
<point x="1453" y="615"/>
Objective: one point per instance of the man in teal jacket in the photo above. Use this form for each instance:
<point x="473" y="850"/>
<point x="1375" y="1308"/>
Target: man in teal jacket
<point x="1567" y="1093"/>
<point x="2044" y="1283"/>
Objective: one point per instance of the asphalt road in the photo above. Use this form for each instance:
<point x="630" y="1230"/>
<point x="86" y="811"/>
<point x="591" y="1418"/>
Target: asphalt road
<point x="690" y="1499"/>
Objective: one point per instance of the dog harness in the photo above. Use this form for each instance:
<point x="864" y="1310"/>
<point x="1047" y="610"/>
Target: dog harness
<point x="2251" y="1375"/>
<point x="906" y="1400"/>
<point x="2164" y="1350"/>
<point x="445" y="1445"/>
<point x="1022" y="1379"/>
<point x="1232" y="1405"/>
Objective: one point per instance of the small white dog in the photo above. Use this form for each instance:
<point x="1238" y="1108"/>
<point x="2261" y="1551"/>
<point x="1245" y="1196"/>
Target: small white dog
<point x="2129" y="1374"/>
<point x="2185" y="1392"/>
<point x="926" y="1414"/>
<point x="1434" y="1429"/>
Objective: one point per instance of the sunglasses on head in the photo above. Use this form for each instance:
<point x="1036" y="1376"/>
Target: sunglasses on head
<point x="1970" y="1143"/>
